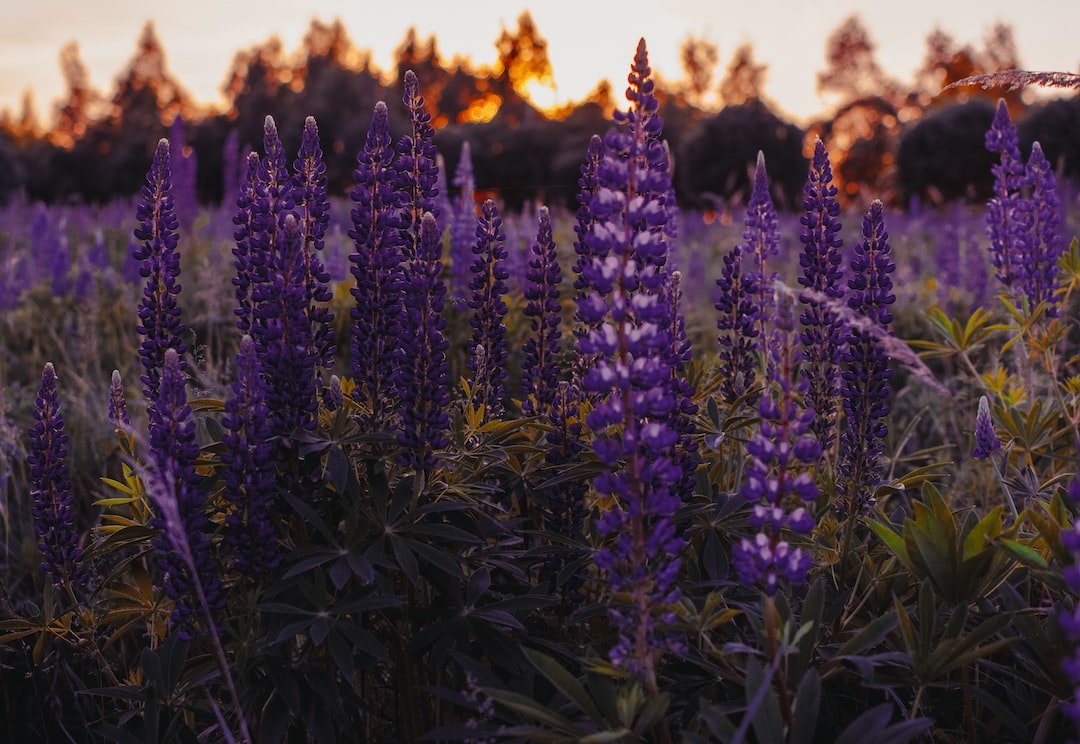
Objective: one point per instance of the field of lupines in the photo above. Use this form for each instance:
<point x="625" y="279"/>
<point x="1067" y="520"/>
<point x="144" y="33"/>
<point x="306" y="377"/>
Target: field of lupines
<point x="403" y="469"/>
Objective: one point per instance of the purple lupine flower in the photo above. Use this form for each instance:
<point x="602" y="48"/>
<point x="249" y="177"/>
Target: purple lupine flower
<point x="488" y="286"/>
<point x="118" y="414"/>
<point x="50" y="488"/>
<point x="463" y="223"/>
<point x="1008" y="213"/>
<point x="540" y="369"/>
<point x="736" y="301"/>
<point x="159" y="313"/>
<point x="249" y="469"/>
<point x="248" y="267"/>
<point x="778" y="480"/>
<point x="865" y="380"/>
<point x="333" y="395"/>
<point x="313" y="213"/>
<point x="822" y="332"/>
<point x="376" y="265"/>
<point x="565" y="508"/>
<point x="631" y="379"/>
<point x="173" y="453"/>
<point x="986" y="441"/>
<point x="1045" y="244"/>
<point x="274" y="202"/>
<point x="422" y="369"/>
<point x="283" y="337"/>
<point x="761" y="236"/>
<point x="416" y="164"/>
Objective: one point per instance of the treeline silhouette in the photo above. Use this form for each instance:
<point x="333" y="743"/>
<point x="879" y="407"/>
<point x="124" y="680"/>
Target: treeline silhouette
<point x="900" y="142"/>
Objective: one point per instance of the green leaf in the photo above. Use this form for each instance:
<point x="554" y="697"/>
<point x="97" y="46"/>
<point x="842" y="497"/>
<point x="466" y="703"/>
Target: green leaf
<point x="1026" y="555"/>
<point x="566" y="683"/>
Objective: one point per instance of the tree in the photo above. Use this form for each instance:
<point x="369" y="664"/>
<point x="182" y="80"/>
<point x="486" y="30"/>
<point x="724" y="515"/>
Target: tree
<point x="851" y="70"/>
<point x="944" y="157"/>
<point x="723" y="150"/>
<point x="82" y="104"/>
<point x="699" y="58"/>
<point x="744" y="80"/>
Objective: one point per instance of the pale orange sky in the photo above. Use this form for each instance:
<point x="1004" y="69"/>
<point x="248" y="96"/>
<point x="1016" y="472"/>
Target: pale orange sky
<point x="588" y="40"/>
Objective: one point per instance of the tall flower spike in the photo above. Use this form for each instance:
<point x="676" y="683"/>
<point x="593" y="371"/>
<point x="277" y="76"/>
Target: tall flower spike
<point x="489" y="309"/>
<point x="777" y="480"/>
<point x="247" y="265"/>
<point x="283" y="337"/>
<point x="276" y="200"/>
<point x="416" y="164"/>
<point x="1045" y="248"/>
<point x="761" y="236"/>
<point x="313" y="212"/>
<point x="865" y="384"/>
<point x="422" y="370"/>
<point x="463" y="223"/>
<point x="50" y="488"/>
<point x="1008" y="213"/>
<point x="376" y="265"/>
<point x="249" y="469"/>
<point x="159" y="313"/>
<point x="118" y="414"/>
<point x="540" y="369"/>
<point x="173" y="452"/>
<point x="624" y="307"/>
<point x="986" y="441"/>
<point x="822" y="332"/>
<point x="737" y="323"/>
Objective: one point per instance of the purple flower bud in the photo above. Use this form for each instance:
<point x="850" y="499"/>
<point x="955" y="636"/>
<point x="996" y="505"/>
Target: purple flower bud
<point x="376" y="266"/>
<point x="50" y="488"/>
<point x="118" y="414"/>
<point x="822" y="327"/>
<point x="986" y="441"/>
<point x="488" y="308"/>
<point x="249" y="469"/>
<point x="183" y="526"/>
<point x="418" y="173"/>
<point x="540" y="369"/>
<point x="866" y="374"/>
<point x="159" y="313"/>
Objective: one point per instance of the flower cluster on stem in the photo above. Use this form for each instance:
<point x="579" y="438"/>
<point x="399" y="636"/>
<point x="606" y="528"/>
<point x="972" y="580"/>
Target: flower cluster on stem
<point x="488" y="309"/>
<point x="865" y="379"/>
<point x="540" y="369"/>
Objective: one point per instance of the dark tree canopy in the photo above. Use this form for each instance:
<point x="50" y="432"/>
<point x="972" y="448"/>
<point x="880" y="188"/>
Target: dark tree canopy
<point x="944" y="156"/>
<point x="722" y="149"/>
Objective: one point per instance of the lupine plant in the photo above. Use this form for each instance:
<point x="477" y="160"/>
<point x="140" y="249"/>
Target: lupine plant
<point x="614" y="527"/>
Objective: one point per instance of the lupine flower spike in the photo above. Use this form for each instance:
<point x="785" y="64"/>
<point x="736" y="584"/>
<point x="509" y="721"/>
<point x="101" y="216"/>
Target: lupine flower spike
<point x="761" y="237"/>
<point x="488" y="309"/>
<point x="631" y="378"/>
<point x="539" y="369"/>
<point x="50" y="488"/>
<point x="249" y="468"/>
<point x="777" y="481"/>
<point x="1008" y="213"/>
<point x="416" y="164"/>
<point x="376" y="266"/>
<point x="865" y="379"/>
<point x="173" y="451"/>
<point x="313" y="213"/>
<point x="463" y="224"/>
<point x="1046" y="246"/>
<point x="822" y="333"/>
<point x="159" y="313"/>
<point x="422" y="370"/>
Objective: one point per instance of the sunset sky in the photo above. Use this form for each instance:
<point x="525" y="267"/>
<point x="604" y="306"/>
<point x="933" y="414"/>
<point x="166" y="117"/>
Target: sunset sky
<point x="588" y="40"/>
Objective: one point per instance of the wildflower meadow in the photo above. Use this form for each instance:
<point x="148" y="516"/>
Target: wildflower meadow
<point x="408" y="465"/>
